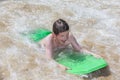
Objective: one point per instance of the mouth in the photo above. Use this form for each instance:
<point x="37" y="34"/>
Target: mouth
<point x="63" y="41"/>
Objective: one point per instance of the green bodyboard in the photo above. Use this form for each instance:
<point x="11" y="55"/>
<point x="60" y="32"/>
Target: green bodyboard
<point x="38" y="34"/>
<point x="80" y="63"/>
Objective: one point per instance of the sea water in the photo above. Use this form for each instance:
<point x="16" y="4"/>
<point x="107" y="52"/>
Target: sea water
<point x="94" y="23"/>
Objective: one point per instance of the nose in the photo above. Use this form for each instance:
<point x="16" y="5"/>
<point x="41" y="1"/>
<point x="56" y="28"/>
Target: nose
<point x="64" y="39"/>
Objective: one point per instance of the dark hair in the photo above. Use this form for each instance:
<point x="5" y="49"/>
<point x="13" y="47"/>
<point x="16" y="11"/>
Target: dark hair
<point x="60" y="26"/>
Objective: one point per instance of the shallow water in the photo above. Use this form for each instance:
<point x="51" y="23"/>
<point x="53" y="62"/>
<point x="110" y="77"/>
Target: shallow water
<point x="95" y="24"/>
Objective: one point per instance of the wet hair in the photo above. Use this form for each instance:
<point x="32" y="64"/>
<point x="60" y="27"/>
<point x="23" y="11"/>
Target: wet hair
<point x="60" y="26"/>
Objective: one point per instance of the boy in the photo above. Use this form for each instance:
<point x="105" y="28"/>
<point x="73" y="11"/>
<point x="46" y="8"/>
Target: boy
<point x="59" y="39"/>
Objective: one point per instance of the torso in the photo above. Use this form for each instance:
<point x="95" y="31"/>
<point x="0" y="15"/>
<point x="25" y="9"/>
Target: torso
<point x="58" y="46"/>
<point x="55" y="45"/>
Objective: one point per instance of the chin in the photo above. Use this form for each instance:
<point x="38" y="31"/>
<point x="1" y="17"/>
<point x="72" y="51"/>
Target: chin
<point x="62" y="42"/>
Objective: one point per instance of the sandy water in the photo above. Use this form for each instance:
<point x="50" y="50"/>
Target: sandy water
<point x="95" y="24"/>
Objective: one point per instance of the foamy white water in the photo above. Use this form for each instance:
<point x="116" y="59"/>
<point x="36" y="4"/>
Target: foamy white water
<point x="95" y="24"/>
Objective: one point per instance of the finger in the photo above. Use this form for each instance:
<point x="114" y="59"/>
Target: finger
<point x="69" y="69"/>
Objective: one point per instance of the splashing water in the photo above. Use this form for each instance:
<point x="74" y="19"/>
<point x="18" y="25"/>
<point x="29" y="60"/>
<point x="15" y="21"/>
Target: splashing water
<point x="95" y="24"/>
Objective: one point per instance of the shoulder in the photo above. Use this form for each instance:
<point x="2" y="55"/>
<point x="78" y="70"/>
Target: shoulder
<point x="71" y="36"/>
<point x="47" y="40"/>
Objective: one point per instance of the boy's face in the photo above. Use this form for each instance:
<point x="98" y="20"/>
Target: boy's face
<point x="62" y="37"/>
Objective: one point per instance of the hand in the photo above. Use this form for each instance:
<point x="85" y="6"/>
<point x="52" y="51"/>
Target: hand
<point x="89" y="52"/>
<point x="63" y="67"/>
<point x="95" y="55"/>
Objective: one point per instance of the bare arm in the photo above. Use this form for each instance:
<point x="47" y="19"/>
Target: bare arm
<point x="78" y="48"/>
<point x="75" y="44"/>
<point x="48" y="48"/>
<point x="48" y="52"/>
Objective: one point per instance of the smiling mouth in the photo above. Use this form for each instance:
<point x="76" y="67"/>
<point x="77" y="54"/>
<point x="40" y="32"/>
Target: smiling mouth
<point x="64" y="41"/>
